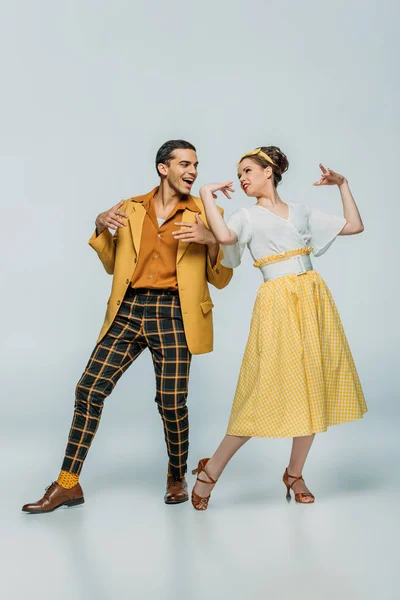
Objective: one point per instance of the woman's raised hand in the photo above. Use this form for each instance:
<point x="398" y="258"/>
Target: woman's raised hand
<point x="329" y="177"/>
<point x="212" y="188"/>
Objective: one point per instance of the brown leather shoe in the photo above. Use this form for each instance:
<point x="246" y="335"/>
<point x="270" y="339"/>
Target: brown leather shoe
<point x="177" y="490"/>
<point x="54" y="497"/>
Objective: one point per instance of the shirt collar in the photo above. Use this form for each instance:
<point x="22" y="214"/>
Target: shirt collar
<point x="186" y="202"/>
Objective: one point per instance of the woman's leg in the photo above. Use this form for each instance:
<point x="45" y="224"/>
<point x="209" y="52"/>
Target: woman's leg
<point x="300" y="449"/>
<point x="217" y="463"/>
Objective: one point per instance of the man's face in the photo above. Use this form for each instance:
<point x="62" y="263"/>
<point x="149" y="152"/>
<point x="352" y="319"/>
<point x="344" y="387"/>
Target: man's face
<point x="181" y="173"/>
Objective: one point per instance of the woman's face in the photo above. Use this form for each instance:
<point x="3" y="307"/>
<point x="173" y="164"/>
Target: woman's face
<point x="253" y="177"/>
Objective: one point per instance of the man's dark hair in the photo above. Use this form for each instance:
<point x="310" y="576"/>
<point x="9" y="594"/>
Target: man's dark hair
<point x="164" y="154"/>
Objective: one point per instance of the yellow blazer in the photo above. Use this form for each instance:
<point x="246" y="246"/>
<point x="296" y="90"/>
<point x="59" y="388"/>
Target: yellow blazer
<point x="119" y="253"/>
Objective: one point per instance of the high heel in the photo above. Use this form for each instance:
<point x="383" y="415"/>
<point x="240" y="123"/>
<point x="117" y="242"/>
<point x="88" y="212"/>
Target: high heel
<point x="300" y="496"/>
<point x="198" y="502"/>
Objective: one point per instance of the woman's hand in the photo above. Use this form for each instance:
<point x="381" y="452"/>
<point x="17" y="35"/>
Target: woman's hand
<point x="212" y="188"/>
<point x="329" y="177"/>
<point x="354" y="223"/>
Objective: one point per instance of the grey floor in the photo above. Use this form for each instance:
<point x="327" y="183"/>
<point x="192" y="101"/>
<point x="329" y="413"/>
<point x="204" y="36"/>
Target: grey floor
<point x="125" y="543"/>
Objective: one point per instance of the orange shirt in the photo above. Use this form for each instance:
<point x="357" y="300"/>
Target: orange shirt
<point x="156" y="266"/>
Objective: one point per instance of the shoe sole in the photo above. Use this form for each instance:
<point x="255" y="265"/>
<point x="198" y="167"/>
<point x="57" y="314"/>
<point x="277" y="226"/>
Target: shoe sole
<point x="66" y="504"/>
<point x="176" y="501"/>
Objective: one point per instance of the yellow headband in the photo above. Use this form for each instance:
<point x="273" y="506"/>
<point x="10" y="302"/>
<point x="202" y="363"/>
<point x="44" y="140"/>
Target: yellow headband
<point x="257" y="152"/>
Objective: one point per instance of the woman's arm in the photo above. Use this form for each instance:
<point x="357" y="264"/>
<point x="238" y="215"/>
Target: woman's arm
<point x="222" y="233"/>
<point x="350" y="211"/>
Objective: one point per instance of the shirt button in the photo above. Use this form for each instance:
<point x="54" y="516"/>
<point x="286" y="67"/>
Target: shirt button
<point x="217" y="271"/>
<point x="118" y="302"/>
<point x="135" y="260"/>
<point x="158" y="235"/>
<point x="127" y="281"/>
<point x="150" y="276"/>
<point x="156" y="256"/>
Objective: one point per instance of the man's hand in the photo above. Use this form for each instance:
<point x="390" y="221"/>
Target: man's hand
<point x="112" y="218"/>
<point x="195" y="232"/>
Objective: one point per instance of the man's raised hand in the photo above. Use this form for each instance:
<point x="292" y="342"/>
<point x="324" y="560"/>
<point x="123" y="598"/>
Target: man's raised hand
<point x="112" y="218"/>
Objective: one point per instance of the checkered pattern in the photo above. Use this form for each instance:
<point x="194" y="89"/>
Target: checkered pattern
<point x="297" y="376"/>
<point x="147" y="319"/>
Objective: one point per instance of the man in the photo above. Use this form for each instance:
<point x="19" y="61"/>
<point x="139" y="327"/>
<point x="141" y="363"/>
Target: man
<point x="159" y="300"/>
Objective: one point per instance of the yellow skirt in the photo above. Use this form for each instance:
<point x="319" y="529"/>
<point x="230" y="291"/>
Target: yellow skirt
<point x="298" y="375"/>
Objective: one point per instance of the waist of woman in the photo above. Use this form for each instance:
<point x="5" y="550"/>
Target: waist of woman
<point x="291" y="262"/>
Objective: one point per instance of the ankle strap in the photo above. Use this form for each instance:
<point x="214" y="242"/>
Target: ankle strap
<point x="204" y="481"/>
<point x="299" y="478"/>
<point x="203" y="468"/>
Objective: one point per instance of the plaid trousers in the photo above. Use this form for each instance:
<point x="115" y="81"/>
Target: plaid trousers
<point x="146" y="319"/>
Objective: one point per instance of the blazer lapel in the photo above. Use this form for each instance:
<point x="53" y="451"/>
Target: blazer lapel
<point x="138" y="213"/>
<point x="136" y="219"/>
<point x="188" y="216"/>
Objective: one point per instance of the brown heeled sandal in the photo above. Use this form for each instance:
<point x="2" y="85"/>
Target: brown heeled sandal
<point x="300" y="496"/>
<point x="198" y="502"/>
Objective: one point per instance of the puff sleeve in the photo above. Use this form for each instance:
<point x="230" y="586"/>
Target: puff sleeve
<point x="323" y="230"/>
<point x="239" y="222"/>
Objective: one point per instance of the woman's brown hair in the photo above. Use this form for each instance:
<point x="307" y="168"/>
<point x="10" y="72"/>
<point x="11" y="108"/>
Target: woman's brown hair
<point x="281" y="163"/>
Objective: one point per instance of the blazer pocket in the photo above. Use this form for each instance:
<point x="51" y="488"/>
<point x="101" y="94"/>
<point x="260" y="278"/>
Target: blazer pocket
<point x="206" y="306"/>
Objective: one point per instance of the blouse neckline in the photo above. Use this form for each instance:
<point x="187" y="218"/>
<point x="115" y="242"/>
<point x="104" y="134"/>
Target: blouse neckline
<point x="287" y="220"/>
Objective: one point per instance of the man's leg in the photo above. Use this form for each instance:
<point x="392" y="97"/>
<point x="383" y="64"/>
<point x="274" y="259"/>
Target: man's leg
<point x="164" y="332"/>
<point x="109" y="360"/>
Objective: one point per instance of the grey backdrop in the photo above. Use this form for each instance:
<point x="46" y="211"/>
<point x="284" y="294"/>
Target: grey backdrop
<point x="90" y="90"/>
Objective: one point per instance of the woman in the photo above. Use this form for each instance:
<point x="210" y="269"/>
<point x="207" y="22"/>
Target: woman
<point x="297" y="376"/>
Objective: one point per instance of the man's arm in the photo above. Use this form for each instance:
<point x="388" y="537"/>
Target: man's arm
<point x="212" y="253"/>
<point x="218" y="275"/>
<point x="198" y="232"/>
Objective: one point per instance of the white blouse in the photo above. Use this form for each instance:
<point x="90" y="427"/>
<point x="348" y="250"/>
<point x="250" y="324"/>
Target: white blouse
<point x="265" y="233"/>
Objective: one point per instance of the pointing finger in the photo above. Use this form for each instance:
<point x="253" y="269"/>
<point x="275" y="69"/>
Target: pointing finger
<point x="116" y="222"/>
<point x="186" y="231"/>
<point x="183" y="235"/>
<point x="118" y="219"/>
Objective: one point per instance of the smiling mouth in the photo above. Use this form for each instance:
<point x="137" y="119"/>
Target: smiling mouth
<point x="188" y="181"/>
<point x="245" y="186"/>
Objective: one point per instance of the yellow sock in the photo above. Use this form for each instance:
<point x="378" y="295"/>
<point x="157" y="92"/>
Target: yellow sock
<point x="67" y="480"/>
